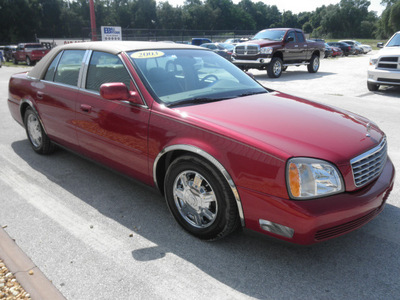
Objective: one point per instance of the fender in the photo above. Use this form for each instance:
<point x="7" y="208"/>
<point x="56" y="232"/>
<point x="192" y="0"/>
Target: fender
<point x="210" y="158"/>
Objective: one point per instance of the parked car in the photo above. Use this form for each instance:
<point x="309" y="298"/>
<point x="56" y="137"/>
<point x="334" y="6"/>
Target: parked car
<point x="277" y="48"/>
<point x="223" y="149"/>
<point x="336" y="51"/>
<point x="384" y="67"/>
<point x="200" y="41"/>
<point x="232" y="41"/>
<point x="328" y="51"/>
<point x="362" y="47"/>
<point x="219" y="49"/>
<point x="29" y="53"/>
<point x="346" y="48"/>
<point x="9" y="52"/>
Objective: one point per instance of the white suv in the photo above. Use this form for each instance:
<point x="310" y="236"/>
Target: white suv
<point x="384" y="67"/>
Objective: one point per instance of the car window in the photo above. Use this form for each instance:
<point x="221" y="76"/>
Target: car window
<point x="69" y="66"/>
<point x="103" y="68"/>
<point x="52" y="68"/>
<point x="299" y="37"/>
<point x="174" y="75"/>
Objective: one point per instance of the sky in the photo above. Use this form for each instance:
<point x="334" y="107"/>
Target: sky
<point x="297" y="6"/>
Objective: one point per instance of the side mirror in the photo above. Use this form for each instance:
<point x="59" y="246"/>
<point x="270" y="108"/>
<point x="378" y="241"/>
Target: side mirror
<point x="379" y="45"/>
<point x="119" y="91"/>
<point x="290" y="39"/>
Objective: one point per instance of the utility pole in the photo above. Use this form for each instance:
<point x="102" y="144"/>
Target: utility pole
<point x="92" y="20"/>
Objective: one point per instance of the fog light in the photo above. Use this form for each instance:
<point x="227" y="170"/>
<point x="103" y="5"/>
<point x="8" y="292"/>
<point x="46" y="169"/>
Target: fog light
<point x="276" y="228"/>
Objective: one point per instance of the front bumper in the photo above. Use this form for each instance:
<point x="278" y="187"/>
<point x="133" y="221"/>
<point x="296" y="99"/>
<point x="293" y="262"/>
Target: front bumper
<point x="321" y="219"/>
<point x="385" y="77"/>
<point x="259" y="62"/>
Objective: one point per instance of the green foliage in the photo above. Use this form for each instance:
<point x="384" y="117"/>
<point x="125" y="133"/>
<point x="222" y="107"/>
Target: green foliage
<point x="24" y="20"/>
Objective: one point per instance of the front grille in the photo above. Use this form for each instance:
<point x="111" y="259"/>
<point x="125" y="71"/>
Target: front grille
<point x="367" y="166"/>
<point x="346" y="227"/>
<point x="247" y="49"/>
<point x="389" y="62"/>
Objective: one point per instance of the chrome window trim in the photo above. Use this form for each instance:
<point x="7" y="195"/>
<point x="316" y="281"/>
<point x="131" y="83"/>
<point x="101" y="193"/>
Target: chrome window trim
<point x="211" y="159"/>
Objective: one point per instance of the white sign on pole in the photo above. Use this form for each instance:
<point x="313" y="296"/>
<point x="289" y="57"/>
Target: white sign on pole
<point x="111" y="33"/>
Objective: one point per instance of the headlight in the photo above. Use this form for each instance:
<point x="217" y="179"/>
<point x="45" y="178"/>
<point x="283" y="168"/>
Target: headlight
<point x="309" y="178"/>
<point x="266" y="50"/>
<point x="373" y="61"/>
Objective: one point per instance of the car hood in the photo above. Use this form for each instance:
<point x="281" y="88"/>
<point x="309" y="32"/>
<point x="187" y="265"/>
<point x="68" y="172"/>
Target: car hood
<point x="262" y="43"/>
<point x="389" y="51"/>
<point x="285" y="126"/>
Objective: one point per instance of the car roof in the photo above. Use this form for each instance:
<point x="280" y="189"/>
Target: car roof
<point x="116" y="47"/>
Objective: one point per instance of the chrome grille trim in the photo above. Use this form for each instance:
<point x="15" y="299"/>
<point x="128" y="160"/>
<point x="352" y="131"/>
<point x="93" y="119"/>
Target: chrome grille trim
<point x="247" y="49"/>
<point x="367" y="166"/>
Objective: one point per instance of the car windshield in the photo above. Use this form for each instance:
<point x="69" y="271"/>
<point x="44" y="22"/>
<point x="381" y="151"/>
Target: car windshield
<point x="395" y="41"/>
<point x="274" y="35"/>
<point x="182" y="77"/>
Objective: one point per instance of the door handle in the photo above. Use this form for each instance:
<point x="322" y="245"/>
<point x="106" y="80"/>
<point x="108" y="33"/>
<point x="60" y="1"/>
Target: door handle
<point x="86" y="108"/>
<point x="40" y="95"/>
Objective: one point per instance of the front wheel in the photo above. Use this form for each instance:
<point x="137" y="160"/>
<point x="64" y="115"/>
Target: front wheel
<point x="314" y="64"/>
<point x="275" y="68"/>
<point x="15" y="61"/>
<point x="37" y="137"/>
<point x="200" y="198"/>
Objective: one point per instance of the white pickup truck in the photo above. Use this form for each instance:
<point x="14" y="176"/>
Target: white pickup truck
<point x="384" y="67"/>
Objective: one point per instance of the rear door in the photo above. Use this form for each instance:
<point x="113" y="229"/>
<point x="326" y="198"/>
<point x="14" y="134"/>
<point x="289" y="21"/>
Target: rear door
<point x="57" y="95"/>
<point x="113" y="132"/>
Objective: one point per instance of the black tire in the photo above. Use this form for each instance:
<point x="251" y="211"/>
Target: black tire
<point x="28" y="61"/>
<point x="188" y="180"/>
<point x="372" y="86"/>
<point x="275" y="68"/>
<point x="37" y="137"/>
<point x="15" y="62"/>
<point x="314" y="64"/>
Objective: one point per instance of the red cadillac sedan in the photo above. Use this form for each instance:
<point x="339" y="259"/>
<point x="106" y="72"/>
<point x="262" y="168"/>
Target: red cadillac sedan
<point x="224" y="151"/>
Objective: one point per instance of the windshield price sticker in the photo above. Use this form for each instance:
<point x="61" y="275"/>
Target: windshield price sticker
<point x="147" y="54"/>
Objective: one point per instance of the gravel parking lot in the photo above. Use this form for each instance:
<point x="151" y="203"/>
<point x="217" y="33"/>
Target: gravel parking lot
<point x="98" y="235"/>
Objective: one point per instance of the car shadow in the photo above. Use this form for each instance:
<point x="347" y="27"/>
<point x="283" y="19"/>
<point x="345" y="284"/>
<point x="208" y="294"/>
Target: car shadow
<point x="293" y="75"/>
<point x="361" y="265"/>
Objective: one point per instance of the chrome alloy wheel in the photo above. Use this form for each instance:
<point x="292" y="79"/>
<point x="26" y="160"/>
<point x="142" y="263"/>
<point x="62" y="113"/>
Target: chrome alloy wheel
<point x="316" y="64"/>
<point x="277" y="69"/>
<point x="34" y="130"/>
<point x="195" y="199"/>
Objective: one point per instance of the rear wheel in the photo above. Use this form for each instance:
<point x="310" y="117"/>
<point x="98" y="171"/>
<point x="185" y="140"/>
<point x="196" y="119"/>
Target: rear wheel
<point x="275" y="68"/>
<point x="372" y="86"/>
<point x="200" y="198"/>
<point x="15" y="62"/>
<point x="314" y="64"/>
<point x="37" y="137"/>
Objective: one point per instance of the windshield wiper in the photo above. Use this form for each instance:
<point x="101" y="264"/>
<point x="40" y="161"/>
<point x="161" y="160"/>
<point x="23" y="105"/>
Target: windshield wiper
<point x="199" y="100"/>
<point x="251" y="93"/>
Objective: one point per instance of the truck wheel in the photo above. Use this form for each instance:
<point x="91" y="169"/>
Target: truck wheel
<point x="28" y="61"/>
<point x="15" y="62"/>
<point x="372" y="86"/>
<point x="314" y="64"/>
<point x="274" y="69"/>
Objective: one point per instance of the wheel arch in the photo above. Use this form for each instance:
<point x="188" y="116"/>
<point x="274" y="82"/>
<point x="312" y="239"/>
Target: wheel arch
<point x="25" y="104"/>
<point x="278" y="54"/>
<point x="170" y="153"/>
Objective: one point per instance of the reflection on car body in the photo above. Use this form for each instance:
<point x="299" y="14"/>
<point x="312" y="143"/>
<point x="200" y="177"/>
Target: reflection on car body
<point x="223" y="150"/>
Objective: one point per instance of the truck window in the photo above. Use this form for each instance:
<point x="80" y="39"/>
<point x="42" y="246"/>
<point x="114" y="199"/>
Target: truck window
<point x="299" y="37"/>
<point x="291" y="35"/>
